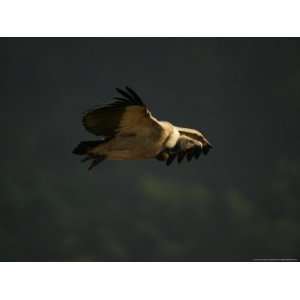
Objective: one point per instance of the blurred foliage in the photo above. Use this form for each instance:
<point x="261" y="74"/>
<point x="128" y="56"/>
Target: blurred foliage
<point x="166" y="219"/>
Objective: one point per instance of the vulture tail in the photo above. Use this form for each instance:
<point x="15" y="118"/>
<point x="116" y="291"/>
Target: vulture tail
<point x="84" y="147"/>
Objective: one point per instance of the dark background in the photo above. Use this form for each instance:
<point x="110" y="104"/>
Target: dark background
<point x="241" y="202"/>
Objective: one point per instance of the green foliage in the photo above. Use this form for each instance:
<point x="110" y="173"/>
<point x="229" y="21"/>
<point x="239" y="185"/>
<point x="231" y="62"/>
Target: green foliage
<point x="169" y="219"/>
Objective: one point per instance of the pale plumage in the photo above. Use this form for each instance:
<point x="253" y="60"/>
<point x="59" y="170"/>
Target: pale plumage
<point x="129" y="131"/>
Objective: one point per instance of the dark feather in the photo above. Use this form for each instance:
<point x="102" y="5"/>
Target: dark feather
<point x="104" y="121"/>
<point x="85" y="146"/>
<point x="87" y="158"/>
<point x="162" y="156"/>
<point x="171" y="158"/>
<point x="190" y="154"/>
<point x="96" y="161"/>
<point x="121" y="102"/>
<point x="180" y="156"/>
<point x="198" y="151"/>
<point x="206" y="149"/>
<point x="135" y="95"/>
<point x="129" y="97"/>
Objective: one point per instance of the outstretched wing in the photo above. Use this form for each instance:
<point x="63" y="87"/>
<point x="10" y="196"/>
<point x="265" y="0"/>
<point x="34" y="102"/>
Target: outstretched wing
<point x="196" y="135"/>
<point x="127" y="115"/>
<point x="186" y="147"/>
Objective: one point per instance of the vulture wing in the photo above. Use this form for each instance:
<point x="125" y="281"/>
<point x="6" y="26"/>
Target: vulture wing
<point x="196" y="135"/>
<point x="185" y="147"/>
<point x="127" y="115"/>
<point x="188" y="145"/>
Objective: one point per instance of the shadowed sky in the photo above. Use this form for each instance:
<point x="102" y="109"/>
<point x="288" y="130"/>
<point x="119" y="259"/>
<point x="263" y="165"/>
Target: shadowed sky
<point x="242" y="93"/>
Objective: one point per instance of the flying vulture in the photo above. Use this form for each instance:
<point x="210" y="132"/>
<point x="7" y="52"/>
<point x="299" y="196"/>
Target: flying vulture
<point x="129" y="131"/>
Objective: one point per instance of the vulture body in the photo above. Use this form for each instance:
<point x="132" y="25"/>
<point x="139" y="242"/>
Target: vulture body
<point x="128" y="131"/>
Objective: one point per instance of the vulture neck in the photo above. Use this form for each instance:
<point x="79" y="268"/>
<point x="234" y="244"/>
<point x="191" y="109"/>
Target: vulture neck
<point x="172" y="134"/>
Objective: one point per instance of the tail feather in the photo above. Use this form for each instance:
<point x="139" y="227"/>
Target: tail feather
<point x="85" y="146"/>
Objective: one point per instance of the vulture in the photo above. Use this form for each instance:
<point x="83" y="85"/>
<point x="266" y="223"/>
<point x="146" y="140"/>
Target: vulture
<point x="128" y="131"/>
